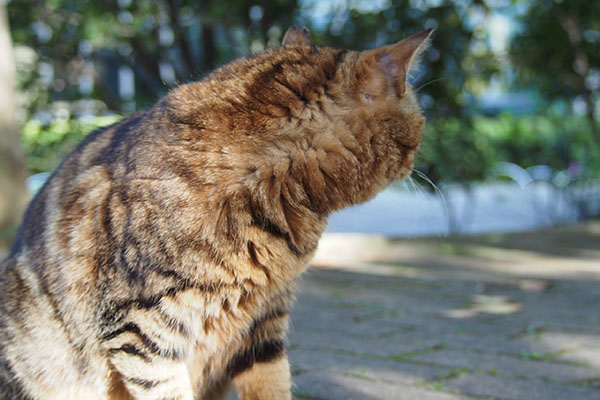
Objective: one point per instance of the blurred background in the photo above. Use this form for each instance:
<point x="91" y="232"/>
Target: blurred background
<point x="510" y="88"/>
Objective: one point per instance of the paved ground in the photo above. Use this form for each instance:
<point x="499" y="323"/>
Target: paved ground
<point x="506" y="317"/>
<point x="489" y="317"/>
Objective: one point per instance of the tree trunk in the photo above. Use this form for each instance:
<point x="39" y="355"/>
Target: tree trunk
<point x="13" y="195"/>
<point x="573" y="28"/>
<point x="209" y="47"/>
<point x="590" y="114"/>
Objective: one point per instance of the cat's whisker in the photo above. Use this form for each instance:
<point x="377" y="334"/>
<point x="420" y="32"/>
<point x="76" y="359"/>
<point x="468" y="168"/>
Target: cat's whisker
<point x="429" y="83"/>
<point x="440" y="195"/>
<point x="414" y="215"/>
<point x="421" y="195"/>
<point x="415" y="189"/>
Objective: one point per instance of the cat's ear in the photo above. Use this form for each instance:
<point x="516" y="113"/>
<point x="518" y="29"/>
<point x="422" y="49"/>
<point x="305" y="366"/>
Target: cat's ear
<point x="388" y="67"/>
<point x="298" y="37"/>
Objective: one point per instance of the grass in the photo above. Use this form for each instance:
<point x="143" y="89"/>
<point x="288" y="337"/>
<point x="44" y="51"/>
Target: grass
<point x="593" y="382"/>
<point x="532" y="355"/>
<point x="427" y="350"/>
<point x="363" y="376"/>
<point x="303" y="394"/>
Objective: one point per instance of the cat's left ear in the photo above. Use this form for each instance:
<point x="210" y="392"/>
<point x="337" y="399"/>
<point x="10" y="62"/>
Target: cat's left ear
<point x="298" y="37"/>
<point x="388" y="67"/>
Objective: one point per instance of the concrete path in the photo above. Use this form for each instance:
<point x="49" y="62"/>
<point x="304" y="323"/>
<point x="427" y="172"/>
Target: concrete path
<point x="504" y="317"/>
<point x="513" y="317"/>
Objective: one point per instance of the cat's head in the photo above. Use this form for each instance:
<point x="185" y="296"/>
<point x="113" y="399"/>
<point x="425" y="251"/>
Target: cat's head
<point x="373" y="122"/>
<point x="319" y="126"/>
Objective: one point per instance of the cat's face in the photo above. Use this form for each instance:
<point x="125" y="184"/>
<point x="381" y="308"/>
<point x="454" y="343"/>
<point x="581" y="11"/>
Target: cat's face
<point x="336" y="125"/>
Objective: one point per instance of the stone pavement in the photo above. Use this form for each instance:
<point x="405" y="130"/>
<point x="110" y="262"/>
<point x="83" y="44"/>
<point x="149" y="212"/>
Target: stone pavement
<point x="507" y="317"/>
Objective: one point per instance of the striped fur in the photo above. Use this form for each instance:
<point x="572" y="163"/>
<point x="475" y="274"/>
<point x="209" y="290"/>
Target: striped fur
<point x="159" y="260"/>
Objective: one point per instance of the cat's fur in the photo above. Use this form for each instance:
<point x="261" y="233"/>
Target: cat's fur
<point x="159" y="261"/>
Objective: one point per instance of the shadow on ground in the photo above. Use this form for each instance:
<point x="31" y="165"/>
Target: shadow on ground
<point x="505" y="318"/>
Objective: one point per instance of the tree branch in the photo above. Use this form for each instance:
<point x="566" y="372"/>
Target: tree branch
<point x="181" y="40"/>
<point x="582" y="66"/>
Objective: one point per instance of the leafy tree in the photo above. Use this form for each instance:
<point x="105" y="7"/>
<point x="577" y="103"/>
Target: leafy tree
<point x="454" y="69"/>
<point x="558" y="53"/>
<point x="80" y="47"/>
<point x="72" y="55"/>
<point x="451" y="73"/>
<point x="163" y="43"/>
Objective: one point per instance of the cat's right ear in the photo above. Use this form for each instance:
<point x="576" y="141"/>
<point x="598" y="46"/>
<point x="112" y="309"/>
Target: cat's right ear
<point x="387" y="67"/>
<point x="298" y="37"/>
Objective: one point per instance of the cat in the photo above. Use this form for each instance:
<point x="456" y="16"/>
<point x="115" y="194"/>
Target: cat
<point x="159" y="260"/>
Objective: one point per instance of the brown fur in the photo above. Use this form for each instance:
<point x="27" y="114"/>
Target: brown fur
<point x="159" y="260"/>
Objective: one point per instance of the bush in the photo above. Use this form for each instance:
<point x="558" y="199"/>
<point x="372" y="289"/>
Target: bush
<point x="462" y="151"/>
<point x="47" y="144"/>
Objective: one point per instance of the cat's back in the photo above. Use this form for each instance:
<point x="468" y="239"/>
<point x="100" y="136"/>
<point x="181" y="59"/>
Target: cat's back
<point x="98" y="161"/>
<point x="59" y="244"/>
<point x="50" y="282"/>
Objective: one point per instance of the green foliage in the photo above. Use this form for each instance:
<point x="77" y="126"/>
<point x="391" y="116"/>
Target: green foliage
<point x="73" y="36"/>
<point x="448" y="153"/>
<point x="451" y="73"/>
<point x="46" y="145"/>
<point x="465" y="150"/>
<point x="79" y="40"/>
<point x="87" y="39"/>
<point x="558" y="46"/>
<point x="83" y="38"/>
<point x="557" y="53"/>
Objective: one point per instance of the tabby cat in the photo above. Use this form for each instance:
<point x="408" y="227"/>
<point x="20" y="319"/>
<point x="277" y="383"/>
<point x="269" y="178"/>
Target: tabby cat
<point x="159" y="260"/>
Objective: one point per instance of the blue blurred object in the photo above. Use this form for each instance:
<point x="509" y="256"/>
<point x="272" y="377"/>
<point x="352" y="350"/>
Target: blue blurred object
<point x="35" y="182"/>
